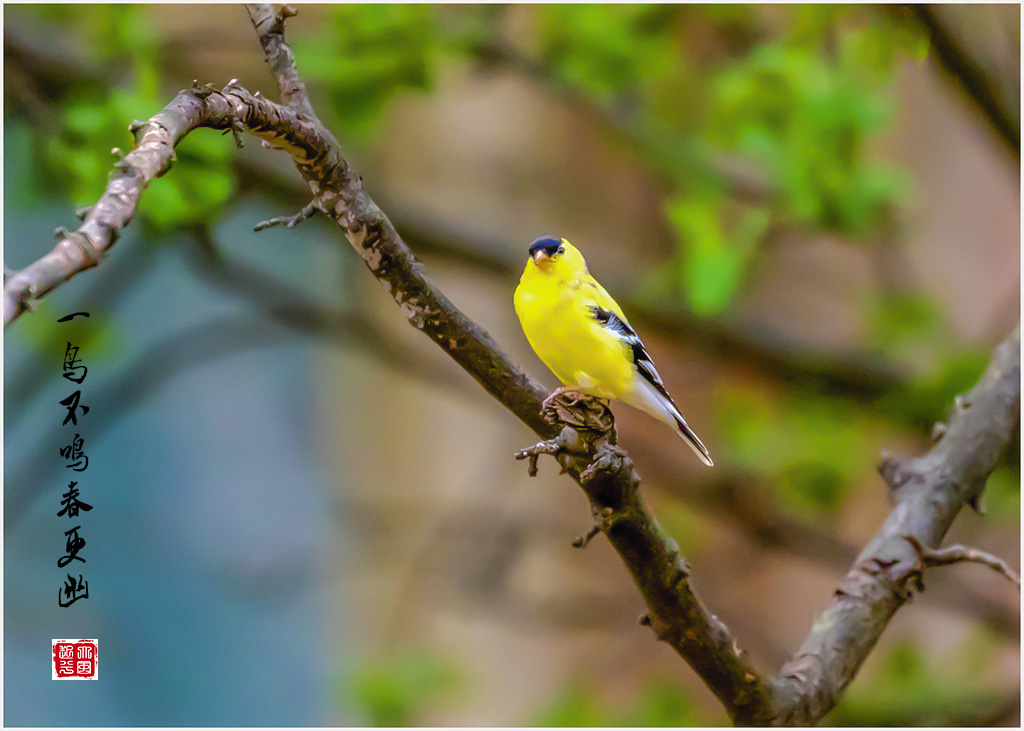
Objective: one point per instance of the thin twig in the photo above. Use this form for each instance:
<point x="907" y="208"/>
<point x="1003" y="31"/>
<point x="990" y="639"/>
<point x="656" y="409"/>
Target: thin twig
<point x="288" y="221"/>
<point x="929" y="557"/>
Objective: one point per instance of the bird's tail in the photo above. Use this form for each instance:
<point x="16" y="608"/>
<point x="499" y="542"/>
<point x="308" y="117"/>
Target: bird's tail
<point x="646" y="398"/>
<point x="692" y="440"/>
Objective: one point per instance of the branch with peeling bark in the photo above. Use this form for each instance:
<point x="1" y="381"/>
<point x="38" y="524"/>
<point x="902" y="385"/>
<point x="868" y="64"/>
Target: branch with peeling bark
<point x="586" y="449"/>
<point x="928" y="492"/>
<point x="231" y="109"/>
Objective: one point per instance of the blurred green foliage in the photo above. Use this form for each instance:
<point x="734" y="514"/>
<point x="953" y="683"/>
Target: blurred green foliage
<point x="716" y="259"/>
<point x="396" y="690"/>
<point x="906" y="688"/>
<point x="812" y="449"/>
<point x="802" y="107"/>
<point x="908" y="327"/>
<point x="806" y="116"/>
<point x="366" y="54"/>
<point x="660" y="702"/>
<point x="609" y="51"/>
<point x="94" y="120"/>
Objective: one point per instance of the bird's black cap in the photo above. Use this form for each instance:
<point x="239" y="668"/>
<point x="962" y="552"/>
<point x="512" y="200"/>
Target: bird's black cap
<point x="548" y="244"/>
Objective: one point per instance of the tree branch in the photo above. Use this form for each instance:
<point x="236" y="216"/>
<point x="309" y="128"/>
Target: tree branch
<point x="928" y="492"/>
<point x="586" y="449"/>
<point x="269" y="24"/>
<point x="956" y="554"/>
<point x="232" y="108"/>
<point x="603" y="470"/>
<point x="970" y="75"/>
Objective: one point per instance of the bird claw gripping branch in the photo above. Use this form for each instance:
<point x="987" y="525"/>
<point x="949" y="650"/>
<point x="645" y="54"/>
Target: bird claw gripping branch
<point x="587" y="439"/>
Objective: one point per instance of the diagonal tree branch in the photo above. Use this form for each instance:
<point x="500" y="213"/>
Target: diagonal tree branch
<point x="232" y="108"/>
<point x="605" y="473"/>
<point x="970" y="75"/>
<point x="586" y="449"/>
<point x="928" y="492"/>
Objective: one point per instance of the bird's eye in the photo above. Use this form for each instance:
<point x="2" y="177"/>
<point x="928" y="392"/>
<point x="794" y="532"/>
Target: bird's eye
<point x="561" y="250"/>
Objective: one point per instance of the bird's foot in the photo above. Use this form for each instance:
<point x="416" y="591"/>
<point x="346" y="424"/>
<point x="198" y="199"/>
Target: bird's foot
<point x="570" y="406"/>
<point x="587" y="427"/>
<point x="569" y="393"/>
<point x="554" y="447"/>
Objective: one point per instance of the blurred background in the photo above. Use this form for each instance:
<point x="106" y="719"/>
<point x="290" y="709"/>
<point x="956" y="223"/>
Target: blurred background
<point x="304" y="514"/>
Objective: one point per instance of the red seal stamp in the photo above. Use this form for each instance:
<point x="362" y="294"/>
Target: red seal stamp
<point x="75" y="659"/>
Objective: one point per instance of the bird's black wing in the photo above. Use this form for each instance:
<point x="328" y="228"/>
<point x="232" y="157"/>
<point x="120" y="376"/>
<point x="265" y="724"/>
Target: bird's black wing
<point x="632" y="341"/>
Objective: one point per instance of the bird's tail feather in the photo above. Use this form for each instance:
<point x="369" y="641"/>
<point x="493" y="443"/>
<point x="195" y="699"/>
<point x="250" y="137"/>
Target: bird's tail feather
<point x="646" y="398"/>
<point x="693" y="441"/>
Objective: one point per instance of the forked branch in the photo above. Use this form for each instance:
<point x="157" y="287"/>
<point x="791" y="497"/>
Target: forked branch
<point x="231" y="108"/>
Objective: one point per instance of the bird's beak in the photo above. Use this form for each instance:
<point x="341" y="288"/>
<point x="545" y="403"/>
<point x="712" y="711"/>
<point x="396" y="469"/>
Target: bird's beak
<point x="540" y="258"/>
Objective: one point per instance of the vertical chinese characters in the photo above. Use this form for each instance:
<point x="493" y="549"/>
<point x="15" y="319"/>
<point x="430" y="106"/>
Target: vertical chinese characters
<point x="76" y="460"/>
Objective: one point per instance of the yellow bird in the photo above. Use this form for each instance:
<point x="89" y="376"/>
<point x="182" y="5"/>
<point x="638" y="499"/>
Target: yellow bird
<point x="582" y="335"/>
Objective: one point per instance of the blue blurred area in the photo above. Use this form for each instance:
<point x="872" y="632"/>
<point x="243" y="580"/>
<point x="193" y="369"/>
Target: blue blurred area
<point x="207" y="548"/>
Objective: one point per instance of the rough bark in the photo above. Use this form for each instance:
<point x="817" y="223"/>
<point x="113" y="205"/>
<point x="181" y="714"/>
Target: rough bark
<point x="586" y="449"/>
<point x="231" y="108"/>
<point x="928" y="492"/>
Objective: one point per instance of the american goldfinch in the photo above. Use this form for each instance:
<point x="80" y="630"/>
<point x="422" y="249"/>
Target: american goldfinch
<point x="581" y="334"/>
